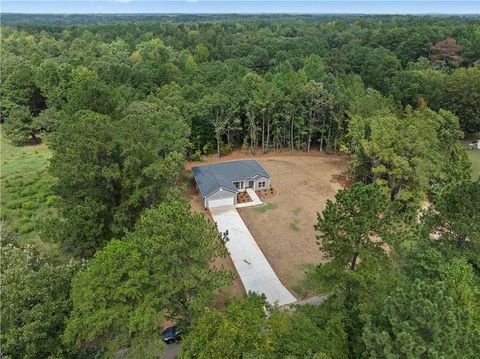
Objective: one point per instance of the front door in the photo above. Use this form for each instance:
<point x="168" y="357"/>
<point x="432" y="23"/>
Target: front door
<point x="250" y="184"/>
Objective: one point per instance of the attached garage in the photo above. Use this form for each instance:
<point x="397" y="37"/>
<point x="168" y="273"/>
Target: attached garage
<point x="220" y="198"/>
<point x="219" y="183"/>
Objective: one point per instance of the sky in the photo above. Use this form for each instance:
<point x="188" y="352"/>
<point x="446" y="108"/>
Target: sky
<point x="243" y="6"/>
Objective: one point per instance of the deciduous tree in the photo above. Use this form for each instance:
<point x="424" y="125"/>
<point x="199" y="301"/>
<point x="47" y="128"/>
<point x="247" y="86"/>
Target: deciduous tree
<point x="109" y="171"/>
<point x="162" y="269"/>
<point x="35" y="296"/>
<point x="446" y="52"/>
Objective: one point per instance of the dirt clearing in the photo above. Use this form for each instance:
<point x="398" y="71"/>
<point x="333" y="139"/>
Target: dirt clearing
<point x="283" y="225"/>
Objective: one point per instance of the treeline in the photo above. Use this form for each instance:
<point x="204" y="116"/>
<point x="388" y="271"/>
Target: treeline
<point x="261" y="83"/>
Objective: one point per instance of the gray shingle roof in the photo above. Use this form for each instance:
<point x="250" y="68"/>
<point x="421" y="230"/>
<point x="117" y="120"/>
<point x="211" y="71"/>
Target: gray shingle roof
<point x="210" y="178"/>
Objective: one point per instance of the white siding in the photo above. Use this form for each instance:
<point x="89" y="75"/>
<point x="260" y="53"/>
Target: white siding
<point x="262" y="179"/>
<point x="220" y="198"/>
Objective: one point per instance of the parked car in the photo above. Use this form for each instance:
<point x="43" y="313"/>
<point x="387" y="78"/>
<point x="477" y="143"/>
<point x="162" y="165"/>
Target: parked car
<point x="171" y="334"/>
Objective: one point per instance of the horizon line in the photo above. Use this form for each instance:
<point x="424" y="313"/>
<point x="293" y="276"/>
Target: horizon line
<point x="234" y="13"/>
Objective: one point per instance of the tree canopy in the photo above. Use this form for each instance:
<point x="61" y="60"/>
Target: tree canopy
<point x="160" y="270"/>
<point x="35" y="296"/>
<point x="123" y="102"/>
<point x="110" y="170"/>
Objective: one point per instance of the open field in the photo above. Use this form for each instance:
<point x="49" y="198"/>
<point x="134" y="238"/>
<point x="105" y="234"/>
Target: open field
<point x="283" y="226"/>
<point x="26" y="190"/>
<point x="474" y="156"/>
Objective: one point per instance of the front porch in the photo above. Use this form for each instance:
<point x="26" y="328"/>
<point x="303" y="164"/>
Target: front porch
<point x="243" y="185"/>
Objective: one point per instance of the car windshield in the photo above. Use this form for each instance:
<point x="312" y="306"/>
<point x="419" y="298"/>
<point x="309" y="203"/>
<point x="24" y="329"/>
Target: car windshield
<point x="169" y="331"/>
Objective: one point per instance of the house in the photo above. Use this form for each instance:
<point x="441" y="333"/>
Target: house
<point x="220" y="183"/>
<point x="474" y="145"/>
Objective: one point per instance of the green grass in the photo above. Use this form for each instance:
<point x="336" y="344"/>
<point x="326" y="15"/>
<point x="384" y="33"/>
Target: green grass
<point x="474" y="156"/>
<point x="306" y="287"/>
<point x="264" y="207"/>
<point x="27" y="198"/>
<point x="294" y="226"/>
<point x="296" y="211"/>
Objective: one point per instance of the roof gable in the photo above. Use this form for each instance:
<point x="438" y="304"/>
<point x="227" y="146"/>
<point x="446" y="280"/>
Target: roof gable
<point x="210" y="178"/>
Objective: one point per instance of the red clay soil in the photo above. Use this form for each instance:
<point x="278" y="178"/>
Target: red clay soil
<point x="241" y="155"/>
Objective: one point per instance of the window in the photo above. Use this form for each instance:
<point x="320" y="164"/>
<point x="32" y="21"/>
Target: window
<point x="262" y="184"/>
<point x="238" y="184"/>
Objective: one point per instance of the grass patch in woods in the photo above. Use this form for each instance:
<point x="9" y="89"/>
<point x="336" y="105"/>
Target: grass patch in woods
<point x="474" y="156"/>
<point x="27" y="197"/>
<point x="475" y="159"/>
<point x="265" y="207"/>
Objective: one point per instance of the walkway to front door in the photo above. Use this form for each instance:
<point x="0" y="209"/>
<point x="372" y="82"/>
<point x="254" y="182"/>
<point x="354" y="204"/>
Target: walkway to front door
<point x="255" y="200"/>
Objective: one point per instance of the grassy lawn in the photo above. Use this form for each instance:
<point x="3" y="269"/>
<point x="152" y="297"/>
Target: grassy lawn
<point x="265" y="207"/>
<point x="475" y="159"/>
<point x="26" y="191"/>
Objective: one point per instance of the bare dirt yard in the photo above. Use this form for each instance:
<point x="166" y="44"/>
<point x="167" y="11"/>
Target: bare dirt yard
<point x="283" y="225"/>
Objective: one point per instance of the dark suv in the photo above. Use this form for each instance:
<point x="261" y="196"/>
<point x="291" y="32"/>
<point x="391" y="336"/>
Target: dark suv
<point x="171" y="334"/>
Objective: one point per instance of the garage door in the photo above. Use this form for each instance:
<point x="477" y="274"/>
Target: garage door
<point x="220" y="202"/>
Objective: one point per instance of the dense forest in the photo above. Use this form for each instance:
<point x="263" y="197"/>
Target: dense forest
<point x="123" y="101"/>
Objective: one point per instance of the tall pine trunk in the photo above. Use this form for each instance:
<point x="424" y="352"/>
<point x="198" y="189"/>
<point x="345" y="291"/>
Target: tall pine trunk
<point x="321" y="134"/>
<point x="218" y="144"/>
<point x="329" y="134"/>
<point x="309" y="140"/>
<point x="291" y="134"/>
<point x="354" y="261"/>
<point x="268" y="133"/>
<point x="263" y="132"/>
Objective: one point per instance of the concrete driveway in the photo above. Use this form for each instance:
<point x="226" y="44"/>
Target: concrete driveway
<point x="253" y="268"/>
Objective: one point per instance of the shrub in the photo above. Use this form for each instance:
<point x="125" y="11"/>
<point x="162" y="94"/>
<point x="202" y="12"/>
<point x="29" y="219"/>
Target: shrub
<point x="26" y="228"/>
<point x="51" y="200"/>
<point x="4" y="214"/>
<point x="245" y="145"/>
<point x="28" y="205"/>
<point x="208" y="148"/>
<point x="14" y="203"/>
<point x="227" y="149"/>
<point x="197" y="156"/>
